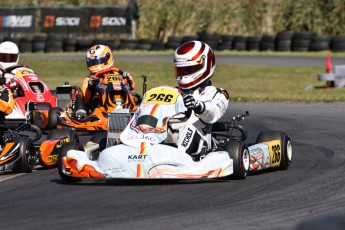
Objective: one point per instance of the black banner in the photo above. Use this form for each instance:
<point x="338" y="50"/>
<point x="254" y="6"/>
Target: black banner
<point x="107" y="19"/>
<point x="18" y="20"/>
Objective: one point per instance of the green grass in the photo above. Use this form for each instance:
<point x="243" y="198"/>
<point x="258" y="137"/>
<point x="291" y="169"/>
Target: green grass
<point x="244" y="83"/>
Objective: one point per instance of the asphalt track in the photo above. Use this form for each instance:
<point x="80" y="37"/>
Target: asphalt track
<point x="310" y="195"/>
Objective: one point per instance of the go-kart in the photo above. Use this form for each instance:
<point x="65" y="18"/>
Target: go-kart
<point x="27" y="86"/>
<point x="110" y="94"/>
<point x="141" y="150"/>
<point x="18" y="150"/>
<point x="70" y="121"/>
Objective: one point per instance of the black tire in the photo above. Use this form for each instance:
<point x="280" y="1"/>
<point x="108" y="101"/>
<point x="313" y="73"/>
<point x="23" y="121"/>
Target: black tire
<point x="71" y="134"/>
<point x="39" y="43"/>
<point x="129" y="44"/>
<point x="37" y="130"/>
<point x="25" y="45"/>
<point x="137" y="98"/>
<point x="239" y="153"/>
<point x="174" y="39"/>
<point x="101" y="139"/>
<point x="62" y="153"/>
<point x="69" y="44"/>
<point x="27" y="153"/>
<point x="43" y="106"/>
<point x="36" y="114"/>
<point x="286" y="154"/>
<point x="52" y="117"/>
<point x="54" y="46"/>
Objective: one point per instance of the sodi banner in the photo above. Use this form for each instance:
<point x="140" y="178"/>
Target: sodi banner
<point x="113" y="19"/>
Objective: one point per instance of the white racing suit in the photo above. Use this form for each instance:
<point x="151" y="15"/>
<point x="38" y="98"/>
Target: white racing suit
<point x="188" y="134"/>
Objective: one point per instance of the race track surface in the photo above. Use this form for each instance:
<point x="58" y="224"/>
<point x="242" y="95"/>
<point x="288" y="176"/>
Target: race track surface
<point x="310" y="195"/>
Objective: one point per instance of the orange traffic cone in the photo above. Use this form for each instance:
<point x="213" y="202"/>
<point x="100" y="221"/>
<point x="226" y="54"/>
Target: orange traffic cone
<point x="328" y="66"/>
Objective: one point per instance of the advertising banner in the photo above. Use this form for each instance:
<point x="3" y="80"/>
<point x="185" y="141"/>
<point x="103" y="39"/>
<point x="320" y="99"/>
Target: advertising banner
<point x="18" y="20"/>
<point x="107" y="19"/>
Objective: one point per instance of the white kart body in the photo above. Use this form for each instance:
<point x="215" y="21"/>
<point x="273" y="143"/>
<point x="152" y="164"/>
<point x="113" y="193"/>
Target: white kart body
<point x="141" y="154"/>
<point x="159" y="161"/>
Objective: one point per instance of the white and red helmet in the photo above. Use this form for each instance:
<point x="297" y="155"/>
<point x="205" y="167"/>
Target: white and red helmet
<point x="99" y="57"/>
<point x="9" y="54"/>
<point x="194" y="63"/>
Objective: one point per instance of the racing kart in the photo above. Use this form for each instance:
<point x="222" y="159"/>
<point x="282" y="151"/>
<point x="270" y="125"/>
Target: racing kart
<point x="27" y="86"/>
<point x="18" y="149"/>
<point x="72" y="112"/>
<point x="70" y="121"/>
<point x="141" y="149"/>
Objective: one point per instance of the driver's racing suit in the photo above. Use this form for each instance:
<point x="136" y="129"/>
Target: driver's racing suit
<point x="188" y="134"/>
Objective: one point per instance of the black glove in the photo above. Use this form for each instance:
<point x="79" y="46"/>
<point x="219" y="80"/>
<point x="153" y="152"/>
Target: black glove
<point x="191" y="103"/>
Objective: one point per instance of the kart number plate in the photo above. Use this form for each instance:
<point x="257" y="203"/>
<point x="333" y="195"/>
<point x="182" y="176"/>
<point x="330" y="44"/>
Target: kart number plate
<point x="161" y="96"/>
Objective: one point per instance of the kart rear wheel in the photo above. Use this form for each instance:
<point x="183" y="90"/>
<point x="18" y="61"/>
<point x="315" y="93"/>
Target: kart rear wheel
<point x="239" y="153"/>
<point x="62" y="153"/>
<point x="71" y="134"/>
<point x="285" y="140"/>
<point x="27" y="153"/>
<point x="52" y="117"/>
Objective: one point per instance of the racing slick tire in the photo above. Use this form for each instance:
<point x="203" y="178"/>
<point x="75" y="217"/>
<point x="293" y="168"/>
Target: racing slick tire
<point x="37" y="130"/>
<point x="52" y="117"/>
<point x="71" y="134"/>
<point x="137" y="98"/>
<point x="27" y="154"/>
<point x="239" y="153"/>
<point x="285" y="140"/>
<point x="101" y="139"/>
<point x="62" y="153"/>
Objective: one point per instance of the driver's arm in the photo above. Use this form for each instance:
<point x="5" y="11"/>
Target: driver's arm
<point x="6" y="100"/>
<point x="215" y="107"/>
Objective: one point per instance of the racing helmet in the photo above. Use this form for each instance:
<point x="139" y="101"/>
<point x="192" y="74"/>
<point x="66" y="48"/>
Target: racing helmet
<point x="99" y="57"/>
<point x="9" y="54"/>
<point x="194" y="63"/>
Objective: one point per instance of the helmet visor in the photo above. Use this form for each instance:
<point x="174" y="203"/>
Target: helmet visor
<point x="91" y="61"/>
<point x="8" y="57"/>
<point x="187" y="70"/>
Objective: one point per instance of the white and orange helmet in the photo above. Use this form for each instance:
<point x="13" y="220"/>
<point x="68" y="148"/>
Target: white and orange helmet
<point x="99" y="57"/>
<point x="194" y="63"/>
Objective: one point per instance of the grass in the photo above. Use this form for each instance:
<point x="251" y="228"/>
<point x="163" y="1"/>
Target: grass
<point x="244" y="83"/>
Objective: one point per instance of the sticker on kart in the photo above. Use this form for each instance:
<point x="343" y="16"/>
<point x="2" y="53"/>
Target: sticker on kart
<point x="161" y="96"/>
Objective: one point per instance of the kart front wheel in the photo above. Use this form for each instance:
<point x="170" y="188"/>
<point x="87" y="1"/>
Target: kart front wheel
<point x="286" y="145"/>
<point x="239" y="153"/>
<point x="27" y="154"/>
<point x="52" y="117"/>
<point x="62" y="153"/>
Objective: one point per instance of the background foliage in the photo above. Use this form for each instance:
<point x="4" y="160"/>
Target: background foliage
<point x="162" y="18"/>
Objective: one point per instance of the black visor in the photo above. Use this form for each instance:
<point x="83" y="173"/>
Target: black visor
<point x="98" y="60"/>
<point x="8" y="57"/>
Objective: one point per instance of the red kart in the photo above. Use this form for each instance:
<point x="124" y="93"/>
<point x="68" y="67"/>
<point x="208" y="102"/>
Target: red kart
<point x="27" y="86"/>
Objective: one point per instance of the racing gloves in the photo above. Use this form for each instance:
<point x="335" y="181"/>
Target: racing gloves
<point x="191" y="103"/>
<point x="129" y="78"/>
<point x="93" y="80"/>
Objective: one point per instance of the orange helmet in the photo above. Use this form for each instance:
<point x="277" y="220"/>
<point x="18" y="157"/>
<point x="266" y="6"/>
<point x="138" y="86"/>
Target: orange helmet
<point x="99" y="57"/>
<point x="194" y="63"/>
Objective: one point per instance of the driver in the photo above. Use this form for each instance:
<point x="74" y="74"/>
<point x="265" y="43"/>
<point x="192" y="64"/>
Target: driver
<point x="6" y="100"/>
<point x="100" y="61"/>
<point x="194" y="64"/>
<point x="9" y="58"/>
